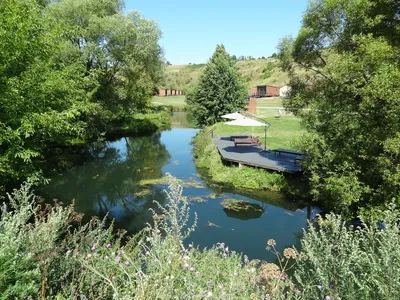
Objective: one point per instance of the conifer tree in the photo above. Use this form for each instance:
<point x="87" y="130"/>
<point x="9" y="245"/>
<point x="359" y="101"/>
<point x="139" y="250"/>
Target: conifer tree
<point x="220" y="90"/>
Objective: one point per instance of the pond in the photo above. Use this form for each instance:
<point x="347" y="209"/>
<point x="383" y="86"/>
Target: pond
<point x="119" y="182"/>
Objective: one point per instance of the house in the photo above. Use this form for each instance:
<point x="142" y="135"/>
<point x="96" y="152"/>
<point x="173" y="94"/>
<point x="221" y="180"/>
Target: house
<point x="265" y="91"/>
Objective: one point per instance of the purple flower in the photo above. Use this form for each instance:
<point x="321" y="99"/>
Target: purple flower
<point x="186" y="265"/>
<point x="328" y="298"/>
<point x="108" y="245"/>
<point x="191" y="269"/>
<point x="68" y="252"/>
<point x="298" y="292"/>
<point x="94" y="247"/>
<point x="283" y="278"/>
<point x="197" y="273"/>
<point x="113" y="277"/>
<point x="223" y="293"/>
<point x="209" y="283"/>
<point x="127" y="263"/>
<point x="118" y="259"/>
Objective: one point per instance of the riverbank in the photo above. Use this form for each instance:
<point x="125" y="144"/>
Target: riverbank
<point x="208" y="159"/>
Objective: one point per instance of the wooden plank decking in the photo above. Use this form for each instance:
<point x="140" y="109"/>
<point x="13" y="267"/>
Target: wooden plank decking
<point x="251" y="156"/>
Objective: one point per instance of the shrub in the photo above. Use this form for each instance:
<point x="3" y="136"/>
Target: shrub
<point x="346" y="262"/>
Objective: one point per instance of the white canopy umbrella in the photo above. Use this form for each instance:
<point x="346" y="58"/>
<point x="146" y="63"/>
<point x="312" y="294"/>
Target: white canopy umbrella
<point x="233" y="116"/>
<point x="245" y="122"/>
<point x="250" y="122"/>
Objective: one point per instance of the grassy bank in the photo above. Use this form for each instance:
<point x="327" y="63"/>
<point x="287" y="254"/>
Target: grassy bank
<point x="149" y="122"/>
<point x="207" y="157"/>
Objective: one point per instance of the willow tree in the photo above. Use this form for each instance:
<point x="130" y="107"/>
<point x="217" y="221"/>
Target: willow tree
<point x="350" y="50"/>
<point x="220" y="90"/>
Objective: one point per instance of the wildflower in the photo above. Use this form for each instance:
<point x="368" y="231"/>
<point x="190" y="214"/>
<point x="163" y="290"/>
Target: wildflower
<point x="289" y="253"/>
<point x="127" y="263"/>
<point x="209" y="294"/>
<point x="246" y="259"/>
<point x="191" y="269"/>
<point x="319" y="286"/>
<point x="148" y="239"/>
<point x="197" y="273"/>
<point x="186" y="265"/>
<point x="222" y="245"/>
<point x="223" y="293"/>
<point x="137" y="273"/>
<point x="239" y="265"/>
<point x="209" y="283"/>
<point x="169" y="262"/>
<point x="328" y="298"/>
<point x="68" y="252"/>
<point x="271" y="242"/>
<point x="235" y="273"/>
<point x="94" y="247"/>
<point x="224" y="254"/>
<point x="191" y="245"/>
<point x="283" y="278"/>
<point x="113" y="277"/>
<point x="156" y="260"/>
<point x="118" y="259"/>
<point x="108" y="245"/>
<point x="298" y="292"/>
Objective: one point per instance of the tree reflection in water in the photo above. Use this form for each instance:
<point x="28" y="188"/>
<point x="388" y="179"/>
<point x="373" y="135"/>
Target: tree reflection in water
<point x="109" y="184"/>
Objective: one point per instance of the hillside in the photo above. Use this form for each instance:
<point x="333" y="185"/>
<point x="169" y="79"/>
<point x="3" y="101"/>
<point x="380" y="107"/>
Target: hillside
<point x="255" y="72"/>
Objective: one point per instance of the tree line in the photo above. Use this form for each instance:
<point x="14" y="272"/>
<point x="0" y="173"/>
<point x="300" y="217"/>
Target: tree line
<point x="69" y="70"/>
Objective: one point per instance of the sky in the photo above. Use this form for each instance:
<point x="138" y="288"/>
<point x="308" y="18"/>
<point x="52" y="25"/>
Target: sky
<point x="192" y="28"/>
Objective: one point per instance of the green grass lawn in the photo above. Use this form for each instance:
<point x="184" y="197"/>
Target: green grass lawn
<point x="269" y="102"/>
<point x="284" y="132"/>
<point x="169" y="100"/>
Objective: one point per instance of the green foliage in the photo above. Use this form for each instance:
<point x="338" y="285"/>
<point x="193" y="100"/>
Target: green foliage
<point x="351" y="263"/>
<point x="208" y="158"/>
<point x="67" y="70"/>
<point x="351" y="51"/>
<point x="220" y="90"/>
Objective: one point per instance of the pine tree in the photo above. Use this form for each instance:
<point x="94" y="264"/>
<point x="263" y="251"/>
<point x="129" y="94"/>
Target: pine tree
<point x="221" y="90"/>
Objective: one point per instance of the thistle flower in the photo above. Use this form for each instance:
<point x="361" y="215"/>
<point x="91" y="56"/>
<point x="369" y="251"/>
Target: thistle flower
<point x="127" y="263"/>
<point x="108" y="245"/>
<point x="328" y="298"/>
<point x="289" y="253"/>
<point x="68" y="252"/>
<point x="191" y="269"/>
<point x="118" y="259"/>
<point x="186" y="265"/>
<point x="94" y="247"/>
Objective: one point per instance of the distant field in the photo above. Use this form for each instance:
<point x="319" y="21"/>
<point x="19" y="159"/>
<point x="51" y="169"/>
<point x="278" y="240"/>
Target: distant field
<point x="170" y="100"/>
<point x="269" y="102"/>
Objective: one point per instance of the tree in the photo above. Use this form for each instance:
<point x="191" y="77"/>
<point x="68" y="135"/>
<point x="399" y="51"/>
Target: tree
<point x="220" y="90"/>
<point x="350" y="50"/>
<point x="67" y="70"/>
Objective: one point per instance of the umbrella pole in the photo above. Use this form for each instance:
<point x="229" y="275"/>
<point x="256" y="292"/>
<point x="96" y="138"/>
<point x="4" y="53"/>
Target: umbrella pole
<point x="265" y="138"/>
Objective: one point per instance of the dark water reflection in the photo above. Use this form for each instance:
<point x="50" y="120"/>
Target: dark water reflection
<point x="112" y="184"/>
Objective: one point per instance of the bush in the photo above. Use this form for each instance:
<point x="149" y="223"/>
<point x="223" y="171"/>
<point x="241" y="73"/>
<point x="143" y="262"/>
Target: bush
<point x="346" y="262"/>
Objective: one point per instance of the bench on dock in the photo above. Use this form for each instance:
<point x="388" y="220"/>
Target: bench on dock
<point x="249" y="141"/>
<point x="288" y="151"/>
<point x="242" y="136"/>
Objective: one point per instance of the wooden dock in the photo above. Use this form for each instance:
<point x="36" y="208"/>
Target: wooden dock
<point x="253" y="156"/>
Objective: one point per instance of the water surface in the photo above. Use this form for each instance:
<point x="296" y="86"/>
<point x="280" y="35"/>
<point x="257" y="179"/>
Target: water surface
<point x="114" y="183"/>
